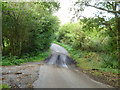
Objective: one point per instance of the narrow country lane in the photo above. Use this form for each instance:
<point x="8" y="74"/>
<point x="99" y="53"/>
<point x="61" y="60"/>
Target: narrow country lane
<point x="51" y="76"/>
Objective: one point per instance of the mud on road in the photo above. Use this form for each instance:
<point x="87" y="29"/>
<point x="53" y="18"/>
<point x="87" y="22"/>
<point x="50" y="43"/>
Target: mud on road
<point x="21" y="76"/>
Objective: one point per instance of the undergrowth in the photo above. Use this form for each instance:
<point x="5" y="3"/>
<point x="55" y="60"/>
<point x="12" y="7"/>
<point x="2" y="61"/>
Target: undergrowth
<point x="92" y="60"/>
<point x="14" y="60"/>
<point x="2" y="86"/>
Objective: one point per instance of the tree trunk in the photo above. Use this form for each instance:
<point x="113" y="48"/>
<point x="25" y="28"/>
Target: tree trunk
<point x="118" y="43"/>
<point x="3" y="47"/>
<point x="117" y="21"/>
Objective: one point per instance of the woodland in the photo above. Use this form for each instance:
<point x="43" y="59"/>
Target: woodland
<point x="28" y="29"/>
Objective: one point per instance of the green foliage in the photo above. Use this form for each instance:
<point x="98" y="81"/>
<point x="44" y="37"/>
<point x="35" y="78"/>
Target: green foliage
<point x="2" y="86"/>
<point x="110" y="22"/>
<point x="64" y="34"/>
<point x="45" y="34"/>
<point x="15" y="60"/>
<point x="92" y="60"/>
<point x="92" y="45"/>
<point x="28" y="27"/>
<point x="109" y="61"/>
<point x="87" y="35"/>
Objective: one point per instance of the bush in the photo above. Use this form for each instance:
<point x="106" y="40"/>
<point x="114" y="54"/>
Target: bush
<point x="66" y="32"/>
<point x="93" y="60"/>
<point x="91" y="46"/>
<point x="2" y="86"/>
<point x="28" y="27"/>
<point x="109" y="61"/>
<point x="44" y="35"/>
<point x="81" y="36"/>
<point x="17" y="61"/>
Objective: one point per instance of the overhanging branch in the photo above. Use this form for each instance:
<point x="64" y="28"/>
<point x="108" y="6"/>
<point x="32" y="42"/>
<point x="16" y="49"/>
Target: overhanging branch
<point x="103" y="9"/>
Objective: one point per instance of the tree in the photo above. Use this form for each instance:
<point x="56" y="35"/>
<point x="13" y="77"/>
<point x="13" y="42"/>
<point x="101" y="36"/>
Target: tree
<point x="104" y="6"/>
<point x="24" y="24"/>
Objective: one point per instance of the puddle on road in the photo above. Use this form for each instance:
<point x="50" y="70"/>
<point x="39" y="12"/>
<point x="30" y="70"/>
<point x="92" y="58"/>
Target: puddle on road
<point x="60" y="60"/>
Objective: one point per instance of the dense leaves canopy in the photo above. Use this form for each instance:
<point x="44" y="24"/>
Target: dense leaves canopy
<point x="28" y="27"/>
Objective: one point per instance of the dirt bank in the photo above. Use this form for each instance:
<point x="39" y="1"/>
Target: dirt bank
<point x="103" y="77"/>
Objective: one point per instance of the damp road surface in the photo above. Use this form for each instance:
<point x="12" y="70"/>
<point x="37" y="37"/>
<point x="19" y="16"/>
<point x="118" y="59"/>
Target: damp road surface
<point x="56" y="73"/>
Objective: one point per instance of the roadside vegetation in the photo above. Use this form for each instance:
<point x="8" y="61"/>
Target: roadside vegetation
<point x="3" y="86"/>
<point x="29" y="28"/>
<point x="92" y="63"/>
<point x="27" y="31"/>
<point x="15" y="60"/>
<point x="93" y="42"/>
<point x="88" y="60"/>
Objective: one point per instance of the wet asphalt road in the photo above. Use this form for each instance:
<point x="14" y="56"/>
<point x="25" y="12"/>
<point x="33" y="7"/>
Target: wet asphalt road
<point x="51" y="76"/>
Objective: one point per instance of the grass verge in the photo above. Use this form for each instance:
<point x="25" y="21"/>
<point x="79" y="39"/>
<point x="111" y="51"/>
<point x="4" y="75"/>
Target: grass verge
<point x="6" y="61"/>
<point x="2" y="86"/>
<point x="92" y="64"/>
<point x="87" y="60"/>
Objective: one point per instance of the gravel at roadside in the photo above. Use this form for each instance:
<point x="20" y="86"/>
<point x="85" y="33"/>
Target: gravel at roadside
<point x="21" y="76"/>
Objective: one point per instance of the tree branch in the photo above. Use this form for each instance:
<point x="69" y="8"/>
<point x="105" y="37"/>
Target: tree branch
<point x="103" y="9"/>
<point x="110" y="3"/>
